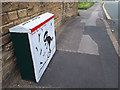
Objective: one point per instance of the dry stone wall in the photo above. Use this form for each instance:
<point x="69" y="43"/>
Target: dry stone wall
<point x="14" y="13"/>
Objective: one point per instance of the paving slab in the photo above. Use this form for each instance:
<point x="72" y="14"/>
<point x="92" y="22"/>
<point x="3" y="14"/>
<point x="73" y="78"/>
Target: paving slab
<point x="88" y="46"/>
<point x="71" y="35"/>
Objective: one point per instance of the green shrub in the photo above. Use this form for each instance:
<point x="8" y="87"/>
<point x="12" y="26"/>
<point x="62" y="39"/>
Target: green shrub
<point x="85" y="5"/>
<point x="78" y="14"/>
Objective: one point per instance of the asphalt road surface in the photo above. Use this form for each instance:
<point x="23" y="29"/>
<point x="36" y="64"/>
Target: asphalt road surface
<point x="112" y="9"/>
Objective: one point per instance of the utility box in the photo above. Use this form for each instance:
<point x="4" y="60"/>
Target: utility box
<point x="34" y="43"/>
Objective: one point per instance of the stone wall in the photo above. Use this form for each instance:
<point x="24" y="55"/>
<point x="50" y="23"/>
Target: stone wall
<point x="14" y="13"/>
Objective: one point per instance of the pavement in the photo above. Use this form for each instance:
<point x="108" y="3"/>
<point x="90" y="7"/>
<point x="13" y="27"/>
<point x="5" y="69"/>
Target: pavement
<point x="85" y="56"/>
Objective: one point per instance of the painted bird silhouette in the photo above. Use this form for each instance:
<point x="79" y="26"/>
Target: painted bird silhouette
<point x="48" y="39"/>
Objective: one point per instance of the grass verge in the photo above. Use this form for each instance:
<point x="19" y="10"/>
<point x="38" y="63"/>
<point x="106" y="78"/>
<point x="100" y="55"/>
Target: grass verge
<point x="85" y="5"/>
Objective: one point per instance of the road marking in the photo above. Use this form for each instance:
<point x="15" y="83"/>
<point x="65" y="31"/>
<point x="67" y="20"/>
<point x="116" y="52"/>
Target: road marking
<point x="107" y="15"/>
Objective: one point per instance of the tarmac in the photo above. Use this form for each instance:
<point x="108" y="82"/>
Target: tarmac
<point x="85" y="56"/>
<point x="112" y="10"/>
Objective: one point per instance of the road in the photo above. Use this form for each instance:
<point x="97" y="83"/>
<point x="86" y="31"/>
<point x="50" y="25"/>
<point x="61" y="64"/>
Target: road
<point x="85" y="56"/>
<point x="112" y="10"/>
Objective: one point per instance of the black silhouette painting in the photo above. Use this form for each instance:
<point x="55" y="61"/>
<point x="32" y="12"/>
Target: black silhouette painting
<point x="41" y="29"/>
<point x="48" y="39"/>
<point x="38" y="50"/>
<point x="39" y="37"/>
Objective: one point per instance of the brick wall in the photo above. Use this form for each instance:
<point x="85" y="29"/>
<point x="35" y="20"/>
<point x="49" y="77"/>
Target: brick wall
<point x="14" y="13"/>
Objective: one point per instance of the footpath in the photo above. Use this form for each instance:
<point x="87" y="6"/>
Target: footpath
<point x="85" y="56"/>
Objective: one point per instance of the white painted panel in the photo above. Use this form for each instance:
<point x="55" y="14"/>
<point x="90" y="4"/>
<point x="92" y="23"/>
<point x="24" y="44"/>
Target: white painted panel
<point x="43" y="46"/>
<point x="28" y="25"/>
